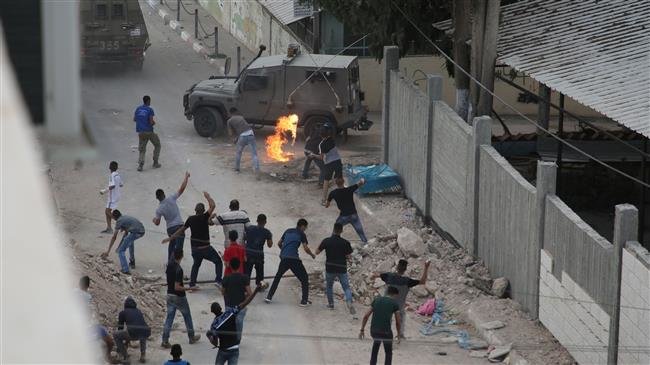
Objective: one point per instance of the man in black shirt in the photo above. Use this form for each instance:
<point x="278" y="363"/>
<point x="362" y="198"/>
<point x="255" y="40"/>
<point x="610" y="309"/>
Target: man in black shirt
<point x="329" y="154"/>
<point x="255" y="237"/>
<point x="176" y="300"/>
<point x="223" y="330"/>
<point x="236" y="287"/>
<point x="200" y="240"/>
<point x="344" y="198"/>
<point x="337" y="253"/>
<point x="312" y="155"/>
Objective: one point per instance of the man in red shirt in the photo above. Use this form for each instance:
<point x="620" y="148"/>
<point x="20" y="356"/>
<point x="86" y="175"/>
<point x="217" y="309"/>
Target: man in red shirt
<point x="234" y="250"/>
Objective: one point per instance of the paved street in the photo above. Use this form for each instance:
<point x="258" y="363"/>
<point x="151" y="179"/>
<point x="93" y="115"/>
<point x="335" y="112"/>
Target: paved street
<point x="280" y="332"/>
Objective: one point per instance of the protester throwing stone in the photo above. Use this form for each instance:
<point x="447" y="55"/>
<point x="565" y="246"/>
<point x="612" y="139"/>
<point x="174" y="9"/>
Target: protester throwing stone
<point x="133" y="230"/>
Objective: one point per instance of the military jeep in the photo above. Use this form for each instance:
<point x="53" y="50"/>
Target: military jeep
<point x="318" y="88"/>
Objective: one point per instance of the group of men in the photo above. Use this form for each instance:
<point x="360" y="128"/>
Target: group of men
<point x="244" y="248"/>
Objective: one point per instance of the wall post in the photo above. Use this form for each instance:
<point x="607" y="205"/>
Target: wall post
<point x="391" y="63"/>
<point x="626" y="220"/>
<point x="481" y="135"/>
<point x="434" y="93"/>
<point x="546" y="177"/>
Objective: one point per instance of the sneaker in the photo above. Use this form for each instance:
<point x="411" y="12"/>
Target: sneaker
<point x="330" y="306"/>
<point x="305" y="303"/>
<point x="237" y="171"/>
<point x="107" y="231"/>
<point x="143" y="359"/>
<point x="258" y="175"/>
<point x="127" y="273"/>
<point x="166" y="345"/>
<point x="194" y="339"/>
<point x="156" y="165"/>
<point x="140" y="167"/>
<point x="218" y="285"/>
<point x="132" y="264"/>
<point x="267" y="300"/>
<point x="351" y="309"/>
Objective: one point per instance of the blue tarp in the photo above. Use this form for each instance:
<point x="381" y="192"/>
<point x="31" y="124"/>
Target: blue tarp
<point x="379" y="178"/>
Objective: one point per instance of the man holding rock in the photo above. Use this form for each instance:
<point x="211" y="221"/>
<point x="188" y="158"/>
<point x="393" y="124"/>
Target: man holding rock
<point x="133" y="229"/>
<point x="403" y="283"/>
<point x="168" y="208"/>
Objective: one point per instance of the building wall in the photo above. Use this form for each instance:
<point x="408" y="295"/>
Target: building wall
<point x="507" y="226"/>
<point x="408" y="137"/>
<point x="634" y="332"/>
<point x="371" y="72"/>
<point x="250" y="23"/>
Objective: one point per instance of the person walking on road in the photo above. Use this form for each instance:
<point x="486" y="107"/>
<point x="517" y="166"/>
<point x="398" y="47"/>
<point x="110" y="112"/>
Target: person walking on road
<point x="382" y="310"/>
<point x="168" y="208"/>
<point x="176" y="300"/>
<point x="234" y="219"/>
<point x="312" y="155"/>
<point x="144" y="122"/>
<point x="234" y="250"/>
<point x="344" y="198"/>
<point x="403" y="284"/>
<point x="113" y="192"/>
<point x="223" y="330"/>
<point x="239" y="128"/>
<point x="337" y="252"/>
<point x="255" y="238"/>
<point x="133" y="230"/>
<point x="289" y="243"/>
<point x="200" y="240"/>
<point x="236" y="287"/>
<point x="131" y="326"/>
<point x="329" y="154"/>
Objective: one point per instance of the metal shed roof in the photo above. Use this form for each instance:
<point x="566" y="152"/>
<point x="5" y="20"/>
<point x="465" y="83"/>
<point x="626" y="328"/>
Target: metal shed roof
<point x="284" y="10"/>
<point x="596" y="52"/>
<point x="303" y="60"/>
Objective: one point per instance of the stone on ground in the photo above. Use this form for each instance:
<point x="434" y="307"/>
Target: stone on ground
<point x="410" y="242"/>
<point x="499" y="287"/>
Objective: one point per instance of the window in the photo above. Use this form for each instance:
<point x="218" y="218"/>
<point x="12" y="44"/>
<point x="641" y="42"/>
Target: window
<point x="101" y="12"/>
<point x="354" y="74"/>
<point x="320" y="76"/>
<point x="255" y="82"/>
<point x="118" y="11"/>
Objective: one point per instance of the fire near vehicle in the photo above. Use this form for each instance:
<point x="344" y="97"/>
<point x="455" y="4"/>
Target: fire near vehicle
<point x="113" y="31"/>
<point x="317" y="88"/>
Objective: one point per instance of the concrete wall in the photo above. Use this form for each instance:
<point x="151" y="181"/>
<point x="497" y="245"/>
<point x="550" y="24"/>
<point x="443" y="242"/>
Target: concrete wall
<point x="634" y="332"/>
<point x="371" y="82"/>
<point x="579" y="251"/>
<point x="451" y="174"/>
<point x="408" y="137"/>
<point x="571" y="315"/>
<point x="507" y="226"/>
<point x="250" y="23"/>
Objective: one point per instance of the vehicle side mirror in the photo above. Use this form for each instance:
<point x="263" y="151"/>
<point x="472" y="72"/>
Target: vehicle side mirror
<point x="226" y="66"/>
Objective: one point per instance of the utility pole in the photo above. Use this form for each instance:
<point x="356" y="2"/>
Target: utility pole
<point x="478" y="27"/>
<point x="462" y="33"/>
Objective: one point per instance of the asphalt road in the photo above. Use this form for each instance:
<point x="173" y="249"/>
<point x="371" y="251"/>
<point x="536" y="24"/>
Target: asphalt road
<point x="281" y="332"/>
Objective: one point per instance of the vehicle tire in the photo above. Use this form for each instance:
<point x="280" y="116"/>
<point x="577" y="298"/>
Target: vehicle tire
<point x="208" y="122"/>
<point x="315" y="122"/>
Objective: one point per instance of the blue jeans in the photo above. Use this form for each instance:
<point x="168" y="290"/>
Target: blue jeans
<point x="127" y="243"/>
<point x="354" y="220"/>
<point x="174" y="303"/>
<point x="242" y="142"/>
<point x="329" y="283"/>
<point x="176" y="244"/>
<point x="227" y="356"/>
<point x="240" y="322"/>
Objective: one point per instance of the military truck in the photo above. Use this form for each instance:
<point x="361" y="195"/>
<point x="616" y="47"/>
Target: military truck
<point x="318" y="88"/>
<point x="113" y="31"/>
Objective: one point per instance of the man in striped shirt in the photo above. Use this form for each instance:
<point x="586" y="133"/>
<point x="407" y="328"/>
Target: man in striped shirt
<point x="233" y="220"/>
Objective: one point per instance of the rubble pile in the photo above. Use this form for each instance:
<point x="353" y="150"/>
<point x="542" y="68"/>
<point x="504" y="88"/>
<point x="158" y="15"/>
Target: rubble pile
<point x="109" y="288"/>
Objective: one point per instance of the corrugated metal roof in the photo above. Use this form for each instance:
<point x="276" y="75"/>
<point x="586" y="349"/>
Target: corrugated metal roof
<point x="303" y="60"/>
<point x="283" y="10"/>
<point x="596" y="52"/>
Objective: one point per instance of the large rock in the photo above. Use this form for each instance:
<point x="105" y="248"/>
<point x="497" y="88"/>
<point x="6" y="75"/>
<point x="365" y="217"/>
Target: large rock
<point x="420" y="291"/>
<point x="499" y="287"/>
<point x="431" y="287"/>
<point x="385" y="266"/>
<point x="410" y="242"/>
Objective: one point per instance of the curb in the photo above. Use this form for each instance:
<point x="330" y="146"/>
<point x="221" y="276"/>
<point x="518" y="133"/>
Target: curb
<point x="185" y="36"/>
<point x="492" y="337"/>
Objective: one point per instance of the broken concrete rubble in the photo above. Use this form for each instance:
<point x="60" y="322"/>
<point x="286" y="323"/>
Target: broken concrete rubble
<point x="410" y="243"/>
<point x="499" y="287"/>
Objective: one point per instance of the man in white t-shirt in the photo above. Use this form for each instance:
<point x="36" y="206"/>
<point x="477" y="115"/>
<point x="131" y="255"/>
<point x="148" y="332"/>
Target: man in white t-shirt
<point x="112" y="194"/>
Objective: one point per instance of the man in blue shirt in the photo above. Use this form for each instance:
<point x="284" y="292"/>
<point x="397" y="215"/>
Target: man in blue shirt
<point x="143" y="118"/>
<point x="289" y="243"/>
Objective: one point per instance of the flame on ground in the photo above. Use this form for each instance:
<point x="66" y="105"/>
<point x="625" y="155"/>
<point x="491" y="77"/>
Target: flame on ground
<point x="285" y="129"/>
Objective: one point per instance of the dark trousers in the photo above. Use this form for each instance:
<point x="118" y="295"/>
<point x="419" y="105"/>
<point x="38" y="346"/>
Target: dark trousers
<point x="176" y="244"/>
<point x="206" y="253"/>
<point x="259" y="270"/>
<point x="378" y="339"/>
<point x="298" y="269"/>
<point x="318" y="162"/>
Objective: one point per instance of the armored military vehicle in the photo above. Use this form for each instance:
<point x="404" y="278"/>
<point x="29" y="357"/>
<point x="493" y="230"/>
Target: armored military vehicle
<point x="318" y="88"/>
<point x="113" y="31"/>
